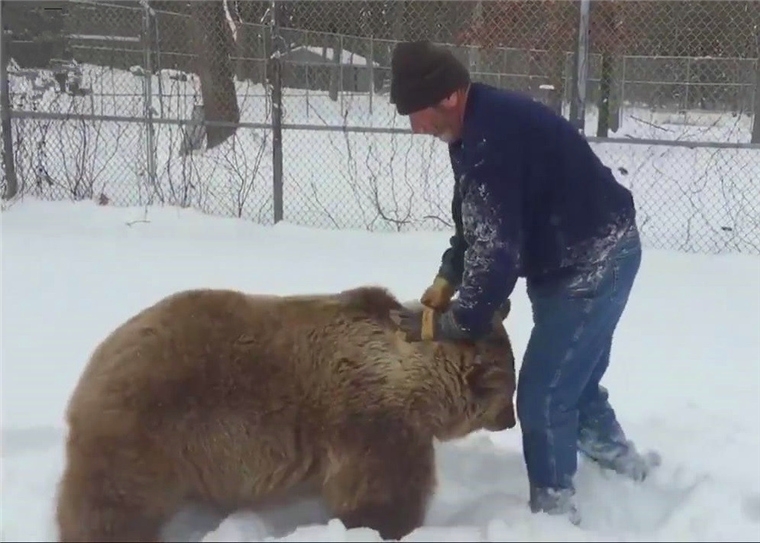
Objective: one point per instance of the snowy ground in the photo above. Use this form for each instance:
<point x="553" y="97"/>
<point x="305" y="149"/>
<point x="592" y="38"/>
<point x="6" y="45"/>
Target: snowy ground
<point x="685" y="377"/>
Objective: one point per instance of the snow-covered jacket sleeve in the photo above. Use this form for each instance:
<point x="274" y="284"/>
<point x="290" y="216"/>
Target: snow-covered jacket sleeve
<point x="452" y="260"/>
<point x="491" y="220"/>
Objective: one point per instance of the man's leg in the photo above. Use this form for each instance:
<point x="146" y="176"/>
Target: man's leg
<point x="602" y="440"/>
<point x="600" y="437"/>
<point x="570" y="335"/>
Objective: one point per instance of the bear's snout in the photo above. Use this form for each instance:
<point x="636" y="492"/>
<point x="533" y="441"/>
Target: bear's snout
<point x="504" y="419"/>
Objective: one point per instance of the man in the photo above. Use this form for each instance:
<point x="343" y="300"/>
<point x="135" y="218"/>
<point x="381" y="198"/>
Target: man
<point x="531" y="200"/>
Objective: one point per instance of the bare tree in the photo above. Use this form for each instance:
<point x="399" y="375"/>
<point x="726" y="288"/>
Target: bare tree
<point x="213" y="41"/>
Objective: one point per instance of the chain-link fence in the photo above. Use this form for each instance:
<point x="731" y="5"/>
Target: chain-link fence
<point x="279" y="110"/>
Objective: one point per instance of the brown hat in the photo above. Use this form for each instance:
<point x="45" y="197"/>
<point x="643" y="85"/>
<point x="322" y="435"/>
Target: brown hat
<point x="423" y="74"/>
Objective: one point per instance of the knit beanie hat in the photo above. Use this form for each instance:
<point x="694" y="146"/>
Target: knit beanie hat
<point x="423" y="74"/>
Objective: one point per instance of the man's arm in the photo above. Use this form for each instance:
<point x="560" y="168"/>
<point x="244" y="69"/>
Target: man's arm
<point x="452" y="261"/>
<point x="491" y="218"/>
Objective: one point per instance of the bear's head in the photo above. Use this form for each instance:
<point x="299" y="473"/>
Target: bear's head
<point x="481" y="383"/>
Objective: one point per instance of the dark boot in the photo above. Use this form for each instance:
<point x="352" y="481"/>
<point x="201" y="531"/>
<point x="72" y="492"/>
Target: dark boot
<point x="555" y="502"/>
<point x="619" y="456"/>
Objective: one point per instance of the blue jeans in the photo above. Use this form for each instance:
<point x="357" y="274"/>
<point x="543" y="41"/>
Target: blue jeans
<point x="561" y="405"/>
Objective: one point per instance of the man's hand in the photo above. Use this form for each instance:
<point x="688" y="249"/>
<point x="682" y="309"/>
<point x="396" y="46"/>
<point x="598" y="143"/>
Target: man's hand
<point x="428" y="324"/>
<point x="438" y="295"/>
<point x="420" y="325"/>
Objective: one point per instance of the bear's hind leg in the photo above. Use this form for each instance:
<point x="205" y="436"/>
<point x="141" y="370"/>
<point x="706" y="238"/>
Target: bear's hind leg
<point x="381" y="479"/>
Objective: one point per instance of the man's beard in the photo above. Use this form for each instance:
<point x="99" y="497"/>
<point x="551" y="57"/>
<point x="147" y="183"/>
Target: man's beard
<point x="445" y="136"/>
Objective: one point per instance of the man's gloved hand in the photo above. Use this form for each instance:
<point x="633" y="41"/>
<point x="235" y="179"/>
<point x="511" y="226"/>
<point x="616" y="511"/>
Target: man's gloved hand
<point x="420" y="325"/>
<point x="438" y="295"/>
<point x="429" y="324"/>
<point x="426" y="324"/>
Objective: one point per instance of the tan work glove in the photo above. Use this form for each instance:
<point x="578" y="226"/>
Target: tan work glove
<point x="438" y="295"/>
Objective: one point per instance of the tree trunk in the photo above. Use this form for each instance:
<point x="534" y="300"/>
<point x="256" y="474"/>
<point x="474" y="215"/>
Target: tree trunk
<point x="213" y="44"/>
<point x="603" y="104"/>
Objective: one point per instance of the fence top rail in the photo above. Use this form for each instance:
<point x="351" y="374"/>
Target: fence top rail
<point x="690" y="58"/>
<point x="23" y="114"/>
<point x="100" y="4"/>
<point x="114" y="38"/>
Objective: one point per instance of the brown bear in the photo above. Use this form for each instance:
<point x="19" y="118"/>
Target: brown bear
<point x="228" y="399"/>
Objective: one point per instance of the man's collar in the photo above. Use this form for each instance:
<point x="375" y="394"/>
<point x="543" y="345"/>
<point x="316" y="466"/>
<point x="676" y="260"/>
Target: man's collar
<point x="470" y="99"/>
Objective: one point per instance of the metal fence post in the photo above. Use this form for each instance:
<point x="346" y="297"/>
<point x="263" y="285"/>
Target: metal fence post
<point x="371" y="71"/>
<point x="276" y="74"/>
<point x="580" y="75"/>
<point x="11" y="182"/>
<point x="150" y="148"/>
<point x="755" y="138"/>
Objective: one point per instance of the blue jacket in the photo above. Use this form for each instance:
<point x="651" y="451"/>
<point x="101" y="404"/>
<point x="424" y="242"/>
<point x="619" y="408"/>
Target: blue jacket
<point x="531" y="199"/>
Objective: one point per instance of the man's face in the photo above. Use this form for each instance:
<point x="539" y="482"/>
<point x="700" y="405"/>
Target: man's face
<point x="441" y="120"/>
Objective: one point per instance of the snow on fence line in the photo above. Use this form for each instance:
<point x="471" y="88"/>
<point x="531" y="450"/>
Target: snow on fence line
<point x="689" y="198"/>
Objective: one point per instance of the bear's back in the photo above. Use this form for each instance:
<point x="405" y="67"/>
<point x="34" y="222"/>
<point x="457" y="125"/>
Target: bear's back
<point x="205" y="350"/>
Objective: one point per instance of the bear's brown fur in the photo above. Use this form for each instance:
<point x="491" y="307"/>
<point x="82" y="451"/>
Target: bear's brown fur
<point x="227" y="399"/>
